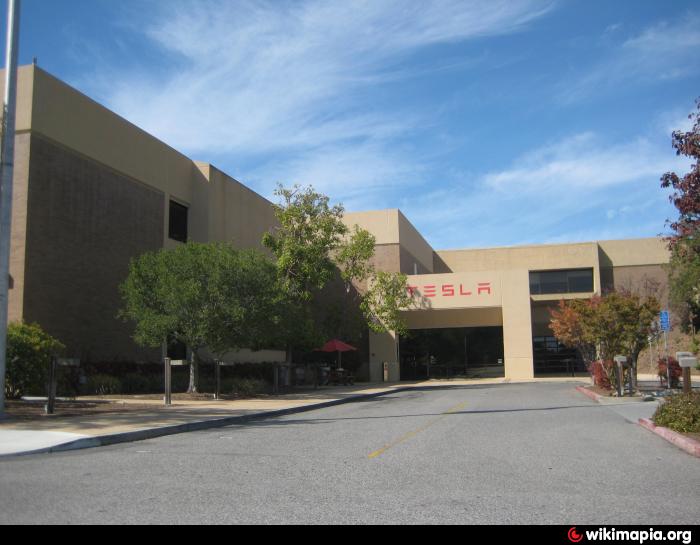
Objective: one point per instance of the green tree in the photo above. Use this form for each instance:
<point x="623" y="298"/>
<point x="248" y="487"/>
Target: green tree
<point x="384" y="300"/>
<point x="309" y="231"/>
<point x="203" y="295"/>
<point x="313" y="245"/>
<point x="29" y="353"/>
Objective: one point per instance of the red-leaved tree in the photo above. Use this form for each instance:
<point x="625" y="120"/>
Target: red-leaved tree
<point x="684" y="242"/>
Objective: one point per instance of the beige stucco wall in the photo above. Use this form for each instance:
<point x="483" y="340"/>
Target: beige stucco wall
<point x="517" y="324"/>
<point x="25" y="84"/>
<point x="220" y="208"/>
<point x="63" y="114"/>
<point x="635" y="252"/>
<point x="460" y="290"/>
<point x="414" y="243"/>
<point x="19" y="228"/>
<point x="529" y="258"/>
<point x="234" y="212"/>
<point x="383" y="224"/>
<point x="390" y="227"/>
<point x="383" y="348"/>
<point x="25" y="97"/>
<point x="453" y="300"/>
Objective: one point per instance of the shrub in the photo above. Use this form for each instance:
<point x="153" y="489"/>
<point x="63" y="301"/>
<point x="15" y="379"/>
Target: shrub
<point x="676" y="370"/>
<point x="103" y="385"/>
<point x="134" y="383"/>
<point x="29" y="353"/>
<point x="247" y="386"/>
<point x="680" y="412"/>
<point x="600" y="372"/>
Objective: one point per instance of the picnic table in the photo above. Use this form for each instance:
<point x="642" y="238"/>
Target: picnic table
<point x="341" y="376"/>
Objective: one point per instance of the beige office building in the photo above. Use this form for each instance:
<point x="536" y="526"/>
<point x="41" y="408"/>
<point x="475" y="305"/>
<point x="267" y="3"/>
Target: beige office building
<point x="485" y="312"/>
<point x="93" y="191"/>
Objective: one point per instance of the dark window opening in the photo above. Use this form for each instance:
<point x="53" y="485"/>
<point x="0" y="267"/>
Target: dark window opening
<point x="472" y="352"/>
<point x="178" y="222"/>
<point x="569" y="281"/>
<point x="553" y="358"/>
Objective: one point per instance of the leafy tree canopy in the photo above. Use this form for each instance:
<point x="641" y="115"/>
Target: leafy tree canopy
<point x="684" y="243"/>
<point x="617" y="323"/>
<point x="313" y="245"/>
<point x="202" y="295"/>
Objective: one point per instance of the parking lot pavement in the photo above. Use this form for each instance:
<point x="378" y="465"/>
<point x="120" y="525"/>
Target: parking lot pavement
<point x="520" y="453"/>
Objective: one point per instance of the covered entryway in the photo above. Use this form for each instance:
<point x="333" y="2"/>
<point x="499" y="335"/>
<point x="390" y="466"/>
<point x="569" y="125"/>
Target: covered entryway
<point x="468" y="352"/>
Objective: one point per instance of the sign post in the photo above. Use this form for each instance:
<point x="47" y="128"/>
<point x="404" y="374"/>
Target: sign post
<point x="50" y="407"/>
<point x="217" y="372"/>
<point x="168" y="382"/>
<point x="665" y="325"/>
<point x="169" y="364"/>
<point x="620" y="362"/>
<point x="687" y="363"/>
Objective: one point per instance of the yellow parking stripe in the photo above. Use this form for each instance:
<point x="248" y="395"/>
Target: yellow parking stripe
<point x="413" y="433"/>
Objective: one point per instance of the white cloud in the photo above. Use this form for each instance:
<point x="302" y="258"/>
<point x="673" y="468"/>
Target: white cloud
<point x="665" y="51"/>
<point x="581" y="162"/>
<point x="578" y="189"/>
<point x="360" y="176"/>
<point x="262" y="76"/>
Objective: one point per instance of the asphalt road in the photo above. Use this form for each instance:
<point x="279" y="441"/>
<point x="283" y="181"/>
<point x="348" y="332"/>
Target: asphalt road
<point x="522" y="453"/>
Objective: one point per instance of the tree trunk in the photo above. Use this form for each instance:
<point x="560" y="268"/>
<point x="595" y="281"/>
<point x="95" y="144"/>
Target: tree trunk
<point x="194" y="373"/>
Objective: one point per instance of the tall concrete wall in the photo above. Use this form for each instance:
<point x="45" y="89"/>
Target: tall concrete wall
<point x="85" y="223"/>
<point x="92" y="191"/>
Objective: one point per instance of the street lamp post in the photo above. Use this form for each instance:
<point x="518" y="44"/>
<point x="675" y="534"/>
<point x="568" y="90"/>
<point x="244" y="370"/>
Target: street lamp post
<point x="6" y="172"/>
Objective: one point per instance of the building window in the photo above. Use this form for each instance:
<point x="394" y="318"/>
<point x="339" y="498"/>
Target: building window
<point x="177" y="229"/>
<point x="567" y="281"/>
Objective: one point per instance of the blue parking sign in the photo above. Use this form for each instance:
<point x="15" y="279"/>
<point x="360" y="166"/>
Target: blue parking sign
<point x="665" y="320"/>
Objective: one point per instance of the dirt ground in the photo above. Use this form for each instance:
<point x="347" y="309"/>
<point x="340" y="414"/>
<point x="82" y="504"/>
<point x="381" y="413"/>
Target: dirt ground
<point x="31" y="410"/>
<point x="28" y="410"/>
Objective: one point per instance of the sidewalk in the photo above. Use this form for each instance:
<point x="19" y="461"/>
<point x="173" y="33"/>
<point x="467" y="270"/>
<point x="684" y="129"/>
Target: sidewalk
<point x="22" y="436"/>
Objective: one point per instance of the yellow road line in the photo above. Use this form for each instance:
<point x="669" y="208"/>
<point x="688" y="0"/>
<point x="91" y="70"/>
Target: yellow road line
<point x="413" y="433"/>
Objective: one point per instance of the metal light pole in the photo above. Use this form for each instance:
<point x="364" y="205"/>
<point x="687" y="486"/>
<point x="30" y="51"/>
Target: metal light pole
<point x="6" y="172"/>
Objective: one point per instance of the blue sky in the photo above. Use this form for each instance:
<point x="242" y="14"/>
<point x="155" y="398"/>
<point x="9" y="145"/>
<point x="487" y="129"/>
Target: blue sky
<point x="488" y="123"/>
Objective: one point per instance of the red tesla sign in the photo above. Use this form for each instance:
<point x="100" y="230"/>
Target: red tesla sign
<point x="451" y="290"/>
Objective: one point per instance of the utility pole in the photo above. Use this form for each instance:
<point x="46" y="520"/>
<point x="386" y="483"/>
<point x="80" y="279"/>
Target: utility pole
<point x="6" y="172"/>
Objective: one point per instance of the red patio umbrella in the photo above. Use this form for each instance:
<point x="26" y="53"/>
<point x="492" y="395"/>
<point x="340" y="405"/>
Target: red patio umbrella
<point x="336" y="345"/>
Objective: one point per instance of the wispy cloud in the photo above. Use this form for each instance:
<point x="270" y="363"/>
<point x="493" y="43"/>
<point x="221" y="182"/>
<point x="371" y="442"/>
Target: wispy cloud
<point x="664" y="51"/>
<point x="580" y="162"/>
<point x="260" y="76"/>
<point x="578" y="189"/>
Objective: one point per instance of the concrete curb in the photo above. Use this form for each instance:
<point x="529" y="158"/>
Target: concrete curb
<point x="691" y="446"/>
<point x="151" y="433"/>
<point x="588" y="393"/>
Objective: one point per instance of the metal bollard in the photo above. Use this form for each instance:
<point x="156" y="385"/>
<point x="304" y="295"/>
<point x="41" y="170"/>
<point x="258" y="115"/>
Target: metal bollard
<point x="50" y="406"/>
<point x="168" y="382"/>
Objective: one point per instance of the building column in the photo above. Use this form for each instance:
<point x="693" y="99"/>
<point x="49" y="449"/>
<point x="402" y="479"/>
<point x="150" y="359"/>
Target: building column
<point x="517" y="325"/>
<point x="383" y="348"/>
